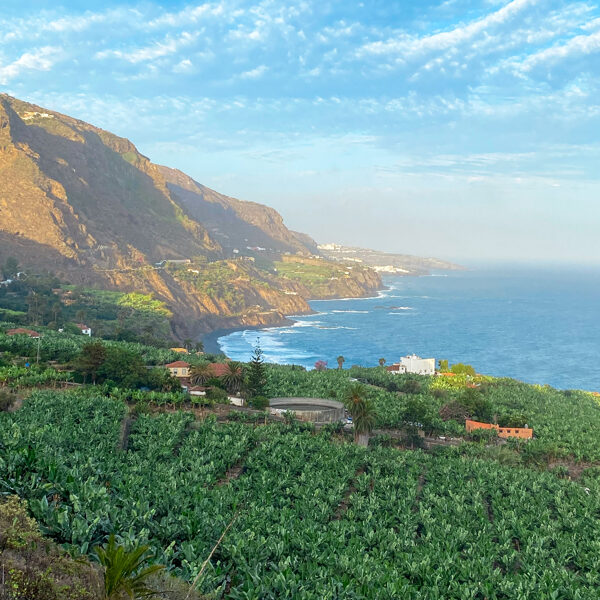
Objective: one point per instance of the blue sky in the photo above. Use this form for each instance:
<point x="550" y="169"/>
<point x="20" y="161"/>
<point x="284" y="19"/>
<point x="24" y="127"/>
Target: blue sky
<point x="467" y="130"/>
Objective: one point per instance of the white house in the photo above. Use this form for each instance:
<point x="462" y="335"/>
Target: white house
<point x="413" y="364"/>
<point x="84" y="329"/>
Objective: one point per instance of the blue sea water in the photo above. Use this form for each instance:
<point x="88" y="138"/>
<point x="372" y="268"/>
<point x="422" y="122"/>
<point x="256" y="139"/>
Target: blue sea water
<point x="539" y="325"/>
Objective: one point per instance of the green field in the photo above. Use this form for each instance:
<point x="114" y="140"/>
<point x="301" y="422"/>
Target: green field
<point x="313" y="515"/>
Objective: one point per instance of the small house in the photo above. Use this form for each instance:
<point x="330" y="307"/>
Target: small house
<point x="179" y="350"/>
<point x="85" y="330"/>
<point x="179" y="368"/>
<point x="412" y="363"/>
<point x="524" y="433"/>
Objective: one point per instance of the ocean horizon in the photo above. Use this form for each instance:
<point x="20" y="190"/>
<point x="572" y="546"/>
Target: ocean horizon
<point x="536" y="324"/>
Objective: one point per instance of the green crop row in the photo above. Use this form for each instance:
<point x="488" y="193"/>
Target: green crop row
<point x="310" y="517"/>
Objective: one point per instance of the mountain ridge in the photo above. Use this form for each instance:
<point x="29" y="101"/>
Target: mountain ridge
<point x="86" y="204"/>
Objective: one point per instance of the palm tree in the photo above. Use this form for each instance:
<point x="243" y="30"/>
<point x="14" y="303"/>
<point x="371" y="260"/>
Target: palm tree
<point x="233" y="377"/>
<point x="200" y="374"/>
<point x="124" y="571"/>
<point x="362" y="411"/>
<point x="382" y="362"/>
<point x="340" y="361"/>
<point x="364" y="422"/>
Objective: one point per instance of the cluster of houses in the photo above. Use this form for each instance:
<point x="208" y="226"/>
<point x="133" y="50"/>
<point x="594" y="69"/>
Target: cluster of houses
<point x="181" y="370"/>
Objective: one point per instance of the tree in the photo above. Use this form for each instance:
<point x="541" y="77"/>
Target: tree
<point x="321" y="365"/>
<point x="123" y="367"/>
<point x="201" y="374"/>
<point x="10" y="268"/>
<point x="36" y="304"/>
<point x="199" y="346"/>
<point x="161" y="379"/>
<point x="362" y="411"/>
<point x="233" y="377"/>
<point x="382" y="362"/>
<point x="125" y="572"/>
<point x="340" y="361"/>
<point x="461" y="369"/>
<point x="188" y="344"/>
<point x="256" y="381"/>
<point x="443" y="365"/>
<point x="90" y="360"/>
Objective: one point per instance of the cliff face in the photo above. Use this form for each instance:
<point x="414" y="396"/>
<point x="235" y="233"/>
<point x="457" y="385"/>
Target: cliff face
<point x="85" y="204"/>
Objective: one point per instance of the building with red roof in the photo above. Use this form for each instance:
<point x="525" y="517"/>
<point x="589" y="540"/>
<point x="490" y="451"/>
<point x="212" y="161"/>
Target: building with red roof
<point x="21" y="331"/>
<point x="179" y="368"/>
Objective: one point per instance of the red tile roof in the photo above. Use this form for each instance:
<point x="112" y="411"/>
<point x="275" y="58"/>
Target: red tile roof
<point x="218" y="369"/>
<point x="21" y="331"/>
<point x="178" y="364"/>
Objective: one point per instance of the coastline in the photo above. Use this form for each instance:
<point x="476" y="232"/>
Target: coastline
<point x="210" y="340"/>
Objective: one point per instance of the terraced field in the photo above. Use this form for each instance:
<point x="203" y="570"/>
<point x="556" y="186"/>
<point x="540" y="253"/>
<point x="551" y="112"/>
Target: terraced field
<point x="310" y="516"/>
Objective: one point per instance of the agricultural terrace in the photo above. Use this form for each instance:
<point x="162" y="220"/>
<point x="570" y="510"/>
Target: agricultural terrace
<point x="311" y="516"/>
<point x="565" y="423"/>
<point x="63" y="347"/>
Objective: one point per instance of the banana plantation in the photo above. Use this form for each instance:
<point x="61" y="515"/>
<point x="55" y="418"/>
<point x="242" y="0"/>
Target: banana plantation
<point x="310" y="515"/>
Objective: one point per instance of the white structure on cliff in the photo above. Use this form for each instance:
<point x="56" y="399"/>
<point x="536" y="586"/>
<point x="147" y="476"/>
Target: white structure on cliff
<point x="413" y="364"/>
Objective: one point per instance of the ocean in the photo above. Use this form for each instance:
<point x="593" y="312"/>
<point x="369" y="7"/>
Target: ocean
<point x="539" y="325"/>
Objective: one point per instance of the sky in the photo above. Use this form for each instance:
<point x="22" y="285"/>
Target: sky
<point x="459" y="129"/>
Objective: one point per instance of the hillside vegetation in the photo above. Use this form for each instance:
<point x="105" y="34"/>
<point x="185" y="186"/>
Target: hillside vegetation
<point x="84" y="204"/>
<point x="312" y="517"/>
<point x="307" y="513"/>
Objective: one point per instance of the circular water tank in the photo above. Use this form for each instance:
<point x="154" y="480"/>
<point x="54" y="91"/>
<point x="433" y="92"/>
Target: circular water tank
<point x="315" y="410"/>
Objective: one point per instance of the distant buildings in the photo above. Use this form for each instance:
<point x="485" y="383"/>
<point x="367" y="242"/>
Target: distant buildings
<point x="413" y="364"/>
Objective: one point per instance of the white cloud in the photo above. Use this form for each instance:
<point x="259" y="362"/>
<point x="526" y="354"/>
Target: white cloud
<point x="255" y="73"/>
<point x="42" y="59"/>
<point x="184" y="66"/>
<point x="410" y="45"/>
<point x="191" y="14"/>
<point x="580" y="45"/>
<point x="157" y="50"/>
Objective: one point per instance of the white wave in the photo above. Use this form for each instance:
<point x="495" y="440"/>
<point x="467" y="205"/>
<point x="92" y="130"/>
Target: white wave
<point x="339" y="327"/>
<point x="306" y="323"/>
<point x="362" y="312"/>
<point x="401" y="308"/>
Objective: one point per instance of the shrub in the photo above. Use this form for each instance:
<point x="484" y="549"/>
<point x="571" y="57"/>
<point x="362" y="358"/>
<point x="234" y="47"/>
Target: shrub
<point x="483" y="436"/>
<point x="6" y="400"/>
<point x="218" y="395"/>
<point x="454" y="411"/>
<point x="260" y="402"/>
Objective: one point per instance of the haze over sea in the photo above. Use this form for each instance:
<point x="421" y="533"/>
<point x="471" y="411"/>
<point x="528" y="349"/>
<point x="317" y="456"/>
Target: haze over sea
<point x="539" y="325"/>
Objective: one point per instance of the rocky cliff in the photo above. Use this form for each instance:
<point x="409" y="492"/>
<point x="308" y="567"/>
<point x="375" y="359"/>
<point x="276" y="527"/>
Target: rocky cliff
<point x="85" y="204"/>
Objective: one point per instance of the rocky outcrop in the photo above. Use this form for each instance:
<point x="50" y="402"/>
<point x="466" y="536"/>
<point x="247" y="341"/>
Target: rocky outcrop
<point x="87" y="205"/>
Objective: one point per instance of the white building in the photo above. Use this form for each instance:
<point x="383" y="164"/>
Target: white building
<point x="412" y="363"/>
<point x="84" y="329"/>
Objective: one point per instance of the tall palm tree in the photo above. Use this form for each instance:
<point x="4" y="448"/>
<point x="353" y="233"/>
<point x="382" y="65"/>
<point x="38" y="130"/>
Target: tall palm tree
<point x="340" y="361"/>
<point x="125" y="572"/>
<point x="382" y="362"/>
<point x="200" y="374"/>
<point x="362" y="411"/>
<point x="233" y="377"/>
